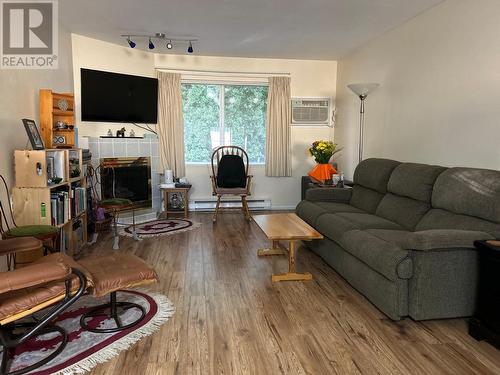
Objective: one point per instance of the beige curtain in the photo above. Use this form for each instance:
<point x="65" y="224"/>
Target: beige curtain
<point x="278" y="159"/>
<point x="170" y="126"/>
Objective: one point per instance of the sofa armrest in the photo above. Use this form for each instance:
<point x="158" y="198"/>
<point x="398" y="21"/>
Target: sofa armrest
<point x="444" y="239"/>
<point x="37" y="274"/>
<point x="340" y="195"/>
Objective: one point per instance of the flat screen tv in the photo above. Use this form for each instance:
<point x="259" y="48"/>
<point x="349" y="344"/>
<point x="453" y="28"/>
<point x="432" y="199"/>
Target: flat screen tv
<point x="113" y="97"/>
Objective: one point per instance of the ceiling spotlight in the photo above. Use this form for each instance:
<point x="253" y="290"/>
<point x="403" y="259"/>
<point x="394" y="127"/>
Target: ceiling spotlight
<point x="190" y="48"/>
<point x="151" y="45"/>
<point x="131" y="43"/>
<point x="169" y="44"/>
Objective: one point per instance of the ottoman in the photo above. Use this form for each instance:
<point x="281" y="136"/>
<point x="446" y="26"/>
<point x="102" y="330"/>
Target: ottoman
<point x="107" y="275"/>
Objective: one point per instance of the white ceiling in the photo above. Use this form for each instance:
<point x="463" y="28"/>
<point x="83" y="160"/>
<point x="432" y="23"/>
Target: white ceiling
<point x="302" y="29"/>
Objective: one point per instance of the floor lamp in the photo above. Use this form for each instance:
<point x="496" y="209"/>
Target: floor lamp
<point x="362" y="90"/>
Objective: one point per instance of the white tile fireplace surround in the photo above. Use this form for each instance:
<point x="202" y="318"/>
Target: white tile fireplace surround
<point x="131" y="147"/>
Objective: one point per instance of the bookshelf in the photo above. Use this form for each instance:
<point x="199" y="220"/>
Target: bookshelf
<point x="51" y="190"/>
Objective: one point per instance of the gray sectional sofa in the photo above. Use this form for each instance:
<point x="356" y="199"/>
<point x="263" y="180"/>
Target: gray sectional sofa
<point x="403" y="235"/>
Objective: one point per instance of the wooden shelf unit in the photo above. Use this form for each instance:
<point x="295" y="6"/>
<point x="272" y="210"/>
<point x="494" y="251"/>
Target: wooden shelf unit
<point x="50" y="113"/>
<point x="31" y="197"/>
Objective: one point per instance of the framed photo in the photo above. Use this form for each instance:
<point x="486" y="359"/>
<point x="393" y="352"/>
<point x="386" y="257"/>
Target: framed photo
<point x="33" y="134"/>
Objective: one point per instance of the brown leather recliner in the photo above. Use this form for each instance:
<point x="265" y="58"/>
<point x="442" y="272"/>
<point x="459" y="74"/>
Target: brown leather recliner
<point x="58" y="280"/>
<point x="28" y="290"/>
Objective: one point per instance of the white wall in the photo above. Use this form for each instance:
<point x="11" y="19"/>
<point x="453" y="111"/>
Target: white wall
<point x="19" y="100"/>
<point x="309" y="78"/>
<point x="439" y="93"/>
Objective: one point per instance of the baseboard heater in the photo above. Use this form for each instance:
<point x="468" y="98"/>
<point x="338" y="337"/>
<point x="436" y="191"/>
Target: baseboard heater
<point x="209" y="204"/>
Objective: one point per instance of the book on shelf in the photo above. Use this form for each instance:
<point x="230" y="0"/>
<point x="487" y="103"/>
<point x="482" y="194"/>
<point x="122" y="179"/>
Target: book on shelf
<point x="60" y="207"/>
<point x="79" y="199"/>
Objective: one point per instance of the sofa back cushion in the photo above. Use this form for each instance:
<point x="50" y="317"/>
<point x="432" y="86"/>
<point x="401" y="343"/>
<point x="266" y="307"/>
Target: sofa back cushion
<point x="436" y="218"/>
<point x="365" y="199"/>
<point x="469" y="191"/>
<point x="374" y="173"/>
<point x="370" y="183"/>
<point x="405" y="211"/>
<point x="409" y="193"/>
<point x="414" y="180"/>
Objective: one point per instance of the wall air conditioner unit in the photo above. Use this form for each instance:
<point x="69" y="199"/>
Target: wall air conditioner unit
<point x="311" y="111"/>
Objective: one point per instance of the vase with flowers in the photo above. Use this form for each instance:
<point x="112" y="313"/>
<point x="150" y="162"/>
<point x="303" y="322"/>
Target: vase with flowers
<point x="322" y="151"/>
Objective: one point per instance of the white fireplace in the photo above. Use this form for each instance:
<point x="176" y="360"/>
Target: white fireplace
<point x="126" y="148"/>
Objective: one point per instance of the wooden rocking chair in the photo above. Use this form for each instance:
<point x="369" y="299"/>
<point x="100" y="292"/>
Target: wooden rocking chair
<point x="230" y="176"/>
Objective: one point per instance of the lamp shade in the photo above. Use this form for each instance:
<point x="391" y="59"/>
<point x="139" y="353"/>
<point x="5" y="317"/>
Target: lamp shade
<point x="363" y="89"/>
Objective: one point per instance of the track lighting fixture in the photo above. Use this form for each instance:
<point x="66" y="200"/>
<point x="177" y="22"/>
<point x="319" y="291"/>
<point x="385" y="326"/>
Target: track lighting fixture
<point x="131" y="43"/>
<point x="162" y="38"/>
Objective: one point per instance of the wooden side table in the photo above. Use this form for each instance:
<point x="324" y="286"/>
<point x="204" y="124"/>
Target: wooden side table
<point x="184" y="193"/>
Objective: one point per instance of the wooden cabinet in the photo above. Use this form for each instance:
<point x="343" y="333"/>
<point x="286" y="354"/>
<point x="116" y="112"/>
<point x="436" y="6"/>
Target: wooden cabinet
<point x="51" y="190"/>
<point x="57" y="119"/>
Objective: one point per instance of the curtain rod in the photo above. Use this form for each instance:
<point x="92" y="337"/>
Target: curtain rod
<point x="223" y="72"/>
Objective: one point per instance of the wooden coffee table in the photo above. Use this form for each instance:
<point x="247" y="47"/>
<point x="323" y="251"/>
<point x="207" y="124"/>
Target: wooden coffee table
<point x="286" y="227"/>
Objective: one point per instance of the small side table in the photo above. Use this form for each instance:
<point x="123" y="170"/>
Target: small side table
<point x="486" y="321"/>
<point x="184" y="193"/>
<point x="307" y="183"/>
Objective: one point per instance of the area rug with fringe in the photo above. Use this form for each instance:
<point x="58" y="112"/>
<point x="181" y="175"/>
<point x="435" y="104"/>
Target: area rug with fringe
<point x="160" y="227"/>
<point x="86" y="349"/>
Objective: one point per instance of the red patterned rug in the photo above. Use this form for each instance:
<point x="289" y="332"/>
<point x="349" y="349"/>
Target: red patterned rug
<point x="160" y="227"/>
<point x="86" y="349"/>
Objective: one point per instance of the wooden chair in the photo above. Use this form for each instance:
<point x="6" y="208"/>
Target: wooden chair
<point x="220" y="168"/>
<point x="48" y="234"/>
<point x="113" y="206"/>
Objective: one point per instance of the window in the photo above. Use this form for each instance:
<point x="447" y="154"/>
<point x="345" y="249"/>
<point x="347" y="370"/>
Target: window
<point x="216" y="115"/>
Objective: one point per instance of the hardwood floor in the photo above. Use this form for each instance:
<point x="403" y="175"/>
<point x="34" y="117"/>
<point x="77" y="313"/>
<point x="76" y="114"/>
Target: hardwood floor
<point x="230" y="318"/>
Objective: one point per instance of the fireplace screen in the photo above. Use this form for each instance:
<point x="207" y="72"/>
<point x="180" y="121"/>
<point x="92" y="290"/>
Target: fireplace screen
<point x="128" y="178"/>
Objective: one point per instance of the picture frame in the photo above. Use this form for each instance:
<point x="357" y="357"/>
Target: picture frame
<point x="33" y="134"/>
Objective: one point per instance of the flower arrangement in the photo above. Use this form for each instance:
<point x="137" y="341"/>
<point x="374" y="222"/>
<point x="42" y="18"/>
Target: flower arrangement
<point x="322" y="151"/>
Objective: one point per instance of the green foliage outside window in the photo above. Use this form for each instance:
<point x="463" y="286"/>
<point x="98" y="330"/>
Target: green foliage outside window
<point x="243" y="110"/>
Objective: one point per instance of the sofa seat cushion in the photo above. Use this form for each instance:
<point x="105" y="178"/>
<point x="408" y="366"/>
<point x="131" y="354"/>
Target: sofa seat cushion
<point x="431" y="239"/>
<point x="369" y="221"/>
<point x="333" y="207"/>
<point x="334" y="226"/>
<point x="384" y="257"/>
<point x="310" y="211"/>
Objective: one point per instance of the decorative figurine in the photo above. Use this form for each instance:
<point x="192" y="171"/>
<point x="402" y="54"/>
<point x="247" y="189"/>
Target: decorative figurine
<point x="110" y="133"/>
<point x="132" y="133"/>
<point x="120" y="133"/>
